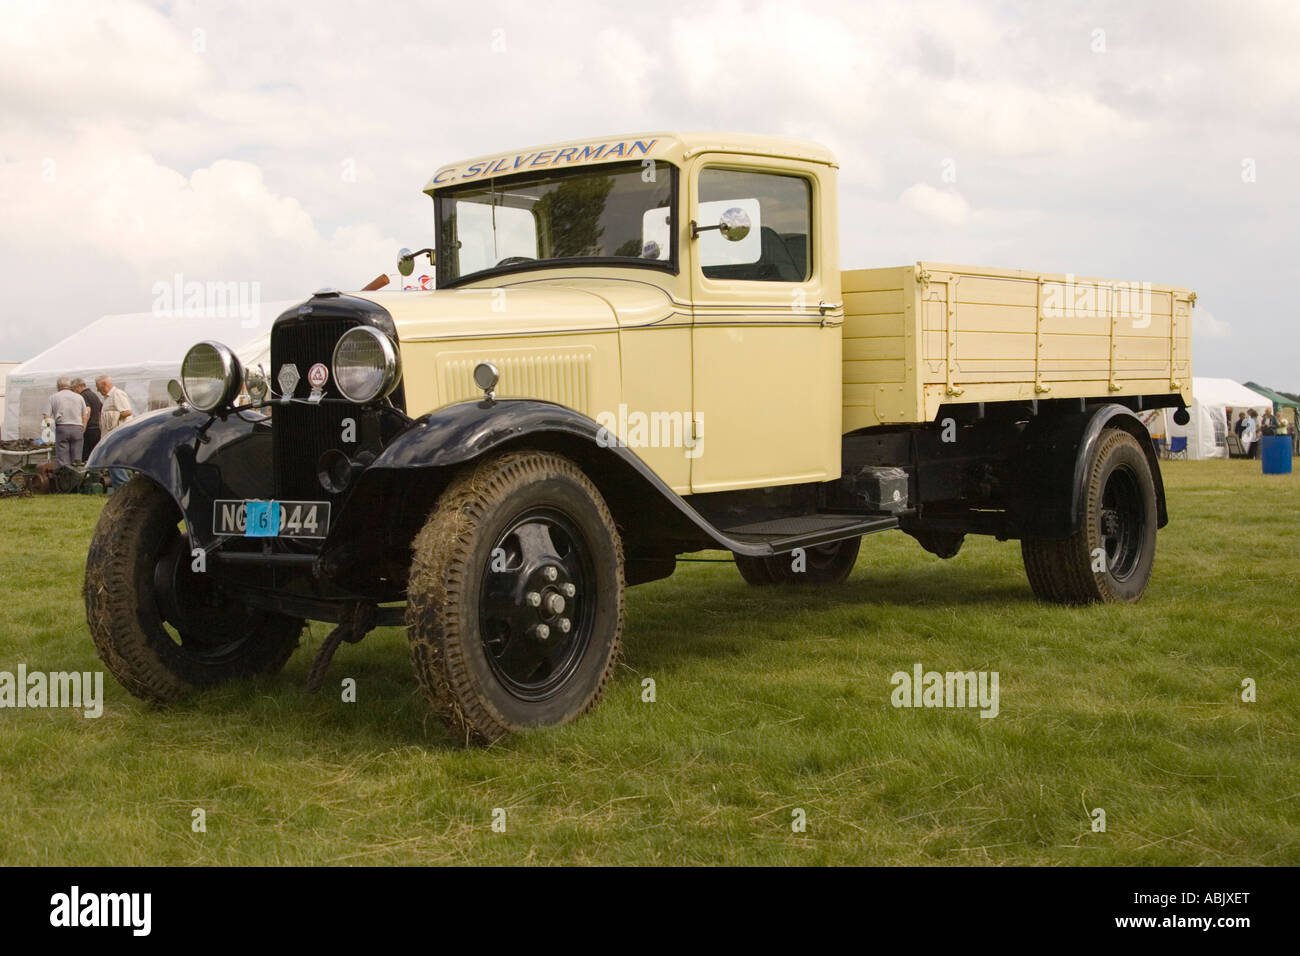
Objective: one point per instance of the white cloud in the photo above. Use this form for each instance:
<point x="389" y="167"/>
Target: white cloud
<point x="946" y="206"/>
<point x="1206" y="326"/>
<point x="222" y="219"/>
<point x="95" y="57"/>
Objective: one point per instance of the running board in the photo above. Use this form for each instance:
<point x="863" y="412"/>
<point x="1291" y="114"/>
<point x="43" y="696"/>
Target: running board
<point x="781" y="535"/>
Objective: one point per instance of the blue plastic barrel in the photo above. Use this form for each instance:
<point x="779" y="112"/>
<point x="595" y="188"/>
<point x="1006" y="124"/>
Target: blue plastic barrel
<point x="1275" y="453"/>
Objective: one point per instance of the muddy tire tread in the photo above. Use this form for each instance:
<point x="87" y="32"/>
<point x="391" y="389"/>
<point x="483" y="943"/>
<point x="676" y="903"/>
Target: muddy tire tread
<point x="114" y="591"/>
<point x="440" y="572"/>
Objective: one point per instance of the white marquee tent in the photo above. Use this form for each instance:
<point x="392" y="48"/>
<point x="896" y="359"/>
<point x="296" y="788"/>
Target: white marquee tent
<point x="141" y="352"/>
<point x="1207" y="430"/>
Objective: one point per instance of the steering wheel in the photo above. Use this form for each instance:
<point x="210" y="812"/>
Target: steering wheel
<point x="515" y="260"/>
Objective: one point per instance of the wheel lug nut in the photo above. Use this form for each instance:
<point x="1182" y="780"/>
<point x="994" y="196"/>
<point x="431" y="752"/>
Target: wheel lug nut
<point x="542" y="632"/>
<point x="564" y="624"/>
<point x="568" y="589"/>
<point x="550" y="573"/>
<point x="533" y="598"/>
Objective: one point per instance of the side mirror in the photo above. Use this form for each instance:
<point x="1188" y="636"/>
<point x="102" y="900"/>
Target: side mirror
<point x="406" y="259"/>
<point x="734" y="224"/>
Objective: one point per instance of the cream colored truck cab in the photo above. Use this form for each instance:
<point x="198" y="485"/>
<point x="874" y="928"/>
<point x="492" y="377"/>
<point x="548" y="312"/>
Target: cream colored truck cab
<point x="639" y="346"/>
<point x="751" y="361"/>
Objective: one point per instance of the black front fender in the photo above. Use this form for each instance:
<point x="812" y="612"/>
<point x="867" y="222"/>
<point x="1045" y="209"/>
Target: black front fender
<point x="402" y="484"/>
<point x="197" y="458"/>
<point x="459" y="433"/>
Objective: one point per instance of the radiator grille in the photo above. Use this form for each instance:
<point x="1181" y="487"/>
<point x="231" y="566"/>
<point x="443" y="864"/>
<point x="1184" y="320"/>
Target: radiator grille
<point x="302" y="433"/>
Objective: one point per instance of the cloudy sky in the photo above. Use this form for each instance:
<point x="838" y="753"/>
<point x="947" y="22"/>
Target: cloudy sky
<point x="287" y="143"/>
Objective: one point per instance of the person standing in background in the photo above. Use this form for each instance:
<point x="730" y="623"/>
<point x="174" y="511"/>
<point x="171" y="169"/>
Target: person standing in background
<point x="117" y="409"/>
<point x="1250" y="434"/>
<point x="91" y="437"/>
<point x="68" y="411"/>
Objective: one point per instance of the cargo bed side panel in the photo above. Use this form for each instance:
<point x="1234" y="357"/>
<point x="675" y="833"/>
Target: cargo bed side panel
<point x="881" y="346"/>
<point x="918" y="337"/>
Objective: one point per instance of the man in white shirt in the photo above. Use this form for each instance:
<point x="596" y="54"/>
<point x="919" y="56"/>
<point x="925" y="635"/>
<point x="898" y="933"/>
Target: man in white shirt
<point x="69" y="412"/>
<point x="117" y="407"/>
<point x="115" y="413"/>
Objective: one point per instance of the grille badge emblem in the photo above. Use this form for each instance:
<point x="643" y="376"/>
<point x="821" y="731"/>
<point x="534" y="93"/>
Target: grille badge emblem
<point x="287" y="380"/>
<point x="317" y="376"/>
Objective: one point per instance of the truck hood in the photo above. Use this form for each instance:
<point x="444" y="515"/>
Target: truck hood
<point x="532" y="307"/>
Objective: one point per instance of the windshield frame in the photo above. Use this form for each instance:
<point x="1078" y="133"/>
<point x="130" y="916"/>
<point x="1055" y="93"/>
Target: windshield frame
<point x="448" y="194"/>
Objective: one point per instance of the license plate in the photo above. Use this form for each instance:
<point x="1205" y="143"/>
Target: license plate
<point x="271" y="519"/>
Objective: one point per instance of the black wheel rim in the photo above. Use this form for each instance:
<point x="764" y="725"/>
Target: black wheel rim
<point x="1121" y="522"/>
<point x="537" y="603"/>
<point x="206" y="627"/>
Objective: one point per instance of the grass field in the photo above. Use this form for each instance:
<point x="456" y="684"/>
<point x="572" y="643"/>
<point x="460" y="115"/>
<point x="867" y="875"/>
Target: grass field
<point x="767" y="701"/>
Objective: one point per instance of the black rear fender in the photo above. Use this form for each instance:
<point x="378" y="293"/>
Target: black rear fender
<point x="1051" y="469"/>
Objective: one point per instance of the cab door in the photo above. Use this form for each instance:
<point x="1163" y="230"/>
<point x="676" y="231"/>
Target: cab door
<point x="766" y="323"/>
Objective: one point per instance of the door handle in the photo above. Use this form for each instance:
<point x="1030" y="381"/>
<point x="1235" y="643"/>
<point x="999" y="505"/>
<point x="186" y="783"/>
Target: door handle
<point x="823" y="307"/>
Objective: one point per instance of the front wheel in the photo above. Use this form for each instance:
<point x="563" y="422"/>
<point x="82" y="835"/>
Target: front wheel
<point x="161" y="628"/>
<point x="824" y="564"/>
<point x="1110" y="558"/>
<point x="515" y="597"/>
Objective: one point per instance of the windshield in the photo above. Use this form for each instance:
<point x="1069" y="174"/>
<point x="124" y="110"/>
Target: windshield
<point x="616" y="214"/>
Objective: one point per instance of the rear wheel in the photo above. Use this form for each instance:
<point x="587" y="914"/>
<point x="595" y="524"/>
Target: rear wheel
<point x="1111" y="556"/>
<point x="515" y="598"/>
<point x="824" y="564"/>
<point x="161" y="628"/>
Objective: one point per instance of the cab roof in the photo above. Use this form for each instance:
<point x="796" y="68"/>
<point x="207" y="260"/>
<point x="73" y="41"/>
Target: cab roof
<point x="672" y="147"/>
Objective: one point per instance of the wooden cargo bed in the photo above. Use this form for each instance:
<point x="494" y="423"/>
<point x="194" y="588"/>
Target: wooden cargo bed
<point x="917" y="337"/>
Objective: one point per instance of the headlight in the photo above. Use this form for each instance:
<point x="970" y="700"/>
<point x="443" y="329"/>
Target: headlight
<point x="211" y="376"/>
<point x="366" y="366"/>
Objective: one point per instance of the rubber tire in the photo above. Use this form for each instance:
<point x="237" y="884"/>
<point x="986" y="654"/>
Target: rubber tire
<point x="1061" y="571"/>
<point x="442" y="614"/>
<point x="123" y="615"/>
<point x="763" y="572"/>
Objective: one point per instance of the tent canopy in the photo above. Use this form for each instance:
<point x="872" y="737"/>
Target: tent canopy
<point x="1277" y="398"/>
<point x="140" y="351"/>
<point x="1226" y="393"/>
<point x="1206" y="431"/>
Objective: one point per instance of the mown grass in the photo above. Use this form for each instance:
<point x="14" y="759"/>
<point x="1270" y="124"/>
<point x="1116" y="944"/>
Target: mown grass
<point x="767" y="701"/>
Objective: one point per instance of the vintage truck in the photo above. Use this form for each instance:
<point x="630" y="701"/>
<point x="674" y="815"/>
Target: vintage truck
<point x="638" y="347"/>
